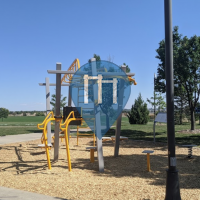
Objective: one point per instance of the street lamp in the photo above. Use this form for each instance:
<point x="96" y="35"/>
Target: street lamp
<point x="172" y="181"/>
<point x="154" y="97"/>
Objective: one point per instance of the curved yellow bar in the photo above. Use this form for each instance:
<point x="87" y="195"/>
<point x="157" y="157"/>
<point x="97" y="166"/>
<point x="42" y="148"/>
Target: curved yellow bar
<point x="132" y="80"/>
<point x="38" y="125"/>
<point x="45" y="140"/>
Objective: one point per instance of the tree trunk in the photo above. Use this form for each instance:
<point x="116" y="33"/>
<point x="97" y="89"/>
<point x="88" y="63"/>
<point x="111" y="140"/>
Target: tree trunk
<point x="192" y="119"/>
<point x="181" y="114"/>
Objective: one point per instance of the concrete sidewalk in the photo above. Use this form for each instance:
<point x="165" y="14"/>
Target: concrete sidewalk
<point x="13" y="194"/>
<point x="8" y="139"/>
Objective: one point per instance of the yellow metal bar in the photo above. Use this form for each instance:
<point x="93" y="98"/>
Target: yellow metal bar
<point x="148" y="162"/>
<point x="73" y="67"/>
<point x="42" y="124"/>
<point x="66" y="124"/>
<point x="67" y="146"/>
<point x="93" y="139"/>
<point x="50" y="114"/>
<point x="45" y="141"/>
<point x="132" y="80"/>
<point x="91" y="155"/>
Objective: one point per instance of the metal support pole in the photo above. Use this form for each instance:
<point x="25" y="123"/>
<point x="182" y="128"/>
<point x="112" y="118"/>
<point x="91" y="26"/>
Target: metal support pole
<point x="57" y="112"/>
<point x="154" y="131"/>
<point x="154" y="98"/>
<point x="97" y="121"/>
<point x="118" y="123"/>
<point x="48" y="110"/>
<point x="69" y="104"/>
<point x="172" y="181"/>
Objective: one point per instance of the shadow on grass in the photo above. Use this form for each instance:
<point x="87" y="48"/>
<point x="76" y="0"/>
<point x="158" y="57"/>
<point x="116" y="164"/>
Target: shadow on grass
<point x="180" y="139"/>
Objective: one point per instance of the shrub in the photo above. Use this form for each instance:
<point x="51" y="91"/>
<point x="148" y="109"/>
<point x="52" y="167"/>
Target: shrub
<point x="139" y="113"/>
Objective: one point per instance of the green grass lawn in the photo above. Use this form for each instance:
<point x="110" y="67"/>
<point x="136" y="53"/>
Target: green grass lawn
<point x="145" y="132"/>
<point x="24" y="124"/>
<point x="22" y="121"/>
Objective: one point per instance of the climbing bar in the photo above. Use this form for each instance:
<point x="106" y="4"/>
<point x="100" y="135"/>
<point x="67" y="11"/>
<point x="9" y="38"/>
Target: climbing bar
<point x="73" y="68"/>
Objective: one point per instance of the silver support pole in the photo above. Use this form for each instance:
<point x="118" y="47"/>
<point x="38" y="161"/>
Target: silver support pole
<point x="48" y="110"/>
<point x="97" y="122"/>
<point x="57" y="112"/>
<point x="118" y="124"/>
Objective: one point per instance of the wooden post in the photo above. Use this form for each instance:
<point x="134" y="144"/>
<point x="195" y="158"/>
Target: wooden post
<point x="57" y="112"/>
<point x="148" y="162"/>
<point x="48" y="110"/>
<point x="118" y="124"/>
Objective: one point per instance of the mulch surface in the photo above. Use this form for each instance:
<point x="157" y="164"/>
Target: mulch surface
<point x="24" y="166"/>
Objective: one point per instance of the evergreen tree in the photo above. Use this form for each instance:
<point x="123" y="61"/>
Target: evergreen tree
<point x="139" y="113"/>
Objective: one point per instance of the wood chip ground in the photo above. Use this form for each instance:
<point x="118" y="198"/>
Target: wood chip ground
<point x="24" y="166"/>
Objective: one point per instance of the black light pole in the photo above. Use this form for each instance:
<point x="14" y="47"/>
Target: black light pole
<point x="154" y="98"/>
<point x="172" y="182"/>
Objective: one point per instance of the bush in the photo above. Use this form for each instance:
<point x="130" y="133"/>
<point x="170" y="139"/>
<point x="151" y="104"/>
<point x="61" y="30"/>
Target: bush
<point x="139" y="113"/>
<point x="24" y="113"/>
<point x="39" y="114"/>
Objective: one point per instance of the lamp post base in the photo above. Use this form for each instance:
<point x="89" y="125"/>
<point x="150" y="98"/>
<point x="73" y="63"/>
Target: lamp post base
<point x="172" y="186"/>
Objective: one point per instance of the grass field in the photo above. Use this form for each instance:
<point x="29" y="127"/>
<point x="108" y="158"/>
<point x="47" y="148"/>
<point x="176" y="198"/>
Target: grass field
<point x="23" y="125"/>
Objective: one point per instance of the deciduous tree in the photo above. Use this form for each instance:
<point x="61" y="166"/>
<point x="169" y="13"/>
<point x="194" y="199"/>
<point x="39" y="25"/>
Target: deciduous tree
<point x="186" y="55"/>
<point x="4" y="113"/>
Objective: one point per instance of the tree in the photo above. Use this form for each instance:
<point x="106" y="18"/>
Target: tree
<point x="180" y="104"/>
<point x="159" y="101"/>
<point x="62" y="102"/>
<point x="4" y="113"/>
<point x="127" y="68"/>
<point x="96" y="56"/>
<point x="186" y="68"/>
<point x="139" y="113"/>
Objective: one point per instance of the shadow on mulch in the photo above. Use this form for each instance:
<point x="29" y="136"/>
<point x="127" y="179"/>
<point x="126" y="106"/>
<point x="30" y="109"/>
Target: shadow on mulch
<point x="124" y="165"/>
<point x="135" y="166"/>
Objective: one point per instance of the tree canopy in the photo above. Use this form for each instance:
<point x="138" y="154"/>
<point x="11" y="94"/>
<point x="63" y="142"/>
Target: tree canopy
<point x="160" y="103"/>
<point x="186" y="58"/>
<point x="4" y="113"/>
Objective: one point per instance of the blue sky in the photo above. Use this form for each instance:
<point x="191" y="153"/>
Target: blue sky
<point x="36" y="34"/>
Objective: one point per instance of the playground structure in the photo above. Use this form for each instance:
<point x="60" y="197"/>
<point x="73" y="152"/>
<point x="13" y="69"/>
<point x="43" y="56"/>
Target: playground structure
<point x="58" y="118"/>
<point x="63" y="126"/>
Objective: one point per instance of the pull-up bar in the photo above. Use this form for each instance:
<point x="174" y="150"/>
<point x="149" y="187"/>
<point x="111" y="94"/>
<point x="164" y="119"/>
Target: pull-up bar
<point x="52" y="84"/>
<point x="103" y="73"/>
